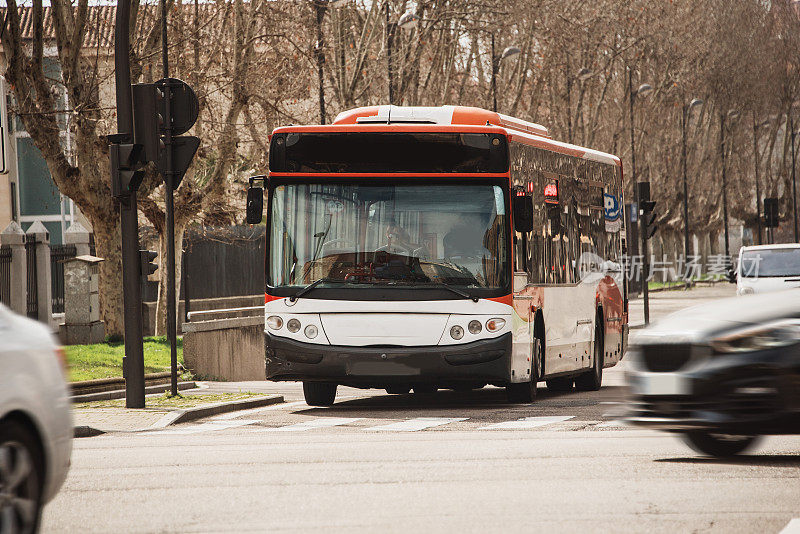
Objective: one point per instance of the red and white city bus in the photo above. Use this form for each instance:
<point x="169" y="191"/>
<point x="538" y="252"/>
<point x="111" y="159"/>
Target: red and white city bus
<point x="439" y="247"/>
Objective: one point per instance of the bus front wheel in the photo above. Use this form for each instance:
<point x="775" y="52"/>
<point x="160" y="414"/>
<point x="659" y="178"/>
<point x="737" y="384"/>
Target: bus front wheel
<point x="525" y="392"/>
<point x="319" y="393"/>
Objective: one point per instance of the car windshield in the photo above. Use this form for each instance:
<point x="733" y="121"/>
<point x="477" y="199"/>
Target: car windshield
<point x="771" y="262"/>
<point x="404" y="235"/>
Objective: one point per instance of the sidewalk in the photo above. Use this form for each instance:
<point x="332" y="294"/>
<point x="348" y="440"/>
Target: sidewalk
<point x="91" y="419"/>
<point x="664" y="303"/>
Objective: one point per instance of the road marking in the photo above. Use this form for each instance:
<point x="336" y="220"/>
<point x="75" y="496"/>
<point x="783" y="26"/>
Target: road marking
<point x="616" y="423"/>
<point x="208" y="426"/>
<point x="527" y="422"/>
<point x="419" y="423"/>
<point x="792" y="528"/>
<point x="234" y="415"/>
<point x="323" y="422"/>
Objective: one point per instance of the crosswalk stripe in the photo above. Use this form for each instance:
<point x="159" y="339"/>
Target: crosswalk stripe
<point x="419" y="423"/>
<point x="616" y="423"/>
<point x="527" y="422"/>
<point x="208" y="426"/>
<point x="793" y="527"/>
<point x="323" y="422"/>
<point x="271" y="407"/>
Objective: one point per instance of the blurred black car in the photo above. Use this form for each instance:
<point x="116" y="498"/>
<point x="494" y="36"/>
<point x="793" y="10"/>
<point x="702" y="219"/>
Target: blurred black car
<point x="721" y="374"/>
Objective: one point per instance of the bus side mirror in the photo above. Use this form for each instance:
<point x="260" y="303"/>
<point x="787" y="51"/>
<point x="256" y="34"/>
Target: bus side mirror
<point x="523" y="213"/>
<point x="255" y="200"/>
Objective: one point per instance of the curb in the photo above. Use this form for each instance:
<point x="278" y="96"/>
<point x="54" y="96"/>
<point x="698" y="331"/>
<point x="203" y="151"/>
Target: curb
<point x="190" y="414"/>
<point x="86" y="432"/>
<point x="120" y="393"/>
<point x="185" y="415"/>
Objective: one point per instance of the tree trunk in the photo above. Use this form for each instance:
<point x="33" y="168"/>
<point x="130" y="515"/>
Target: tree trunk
<point x="161" y="305"/>
<point x="108" y="243"/>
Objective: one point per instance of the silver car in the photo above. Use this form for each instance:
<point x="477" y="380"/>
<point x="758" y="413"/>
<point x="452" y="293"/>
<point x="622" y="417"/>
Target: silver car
<point x="35" y="421"/>
<point x="720" y="374"/>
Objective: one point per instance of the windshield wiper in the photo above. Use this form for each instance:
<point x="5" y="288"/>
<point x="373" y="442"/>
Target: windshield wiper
<point x="309" y="287"/>
<point x="452" y="290"/>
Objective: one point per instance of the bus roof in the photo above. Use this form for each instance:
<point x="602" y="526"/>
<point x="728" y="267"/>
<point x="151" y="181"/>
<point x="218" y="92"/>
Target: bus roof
<point x="442" y="115"/>
<point x="451" y="118"/>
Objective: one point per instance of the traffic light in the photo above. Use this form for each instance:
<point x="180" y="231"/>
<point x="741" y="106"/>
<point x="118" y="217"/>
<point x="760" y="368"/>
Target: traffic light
<point x="147" y="261"/>
<point x="771" y="212"/>
<point x="649" y="218"/>
<point x="127" y="172"/>
<point x="150" y="107"/>
<point x="646" y="210"/>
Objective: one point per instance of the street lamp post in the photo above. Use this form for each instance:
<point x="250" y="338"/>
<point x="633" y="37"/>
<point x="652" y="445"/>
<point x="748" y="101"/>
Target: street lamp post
<point x="794" y="179"/>
<point x="582" y="75"/>
<point x="507" y="52"/>
<point x="319" y="10"/>
<point x="643" y="90"/>
<point x="758" y="185"/>
<point x="733" y="115"/>
<point x="684" y="119"/>
<point x="320" y="7"/>
<point x="407" y="21"/>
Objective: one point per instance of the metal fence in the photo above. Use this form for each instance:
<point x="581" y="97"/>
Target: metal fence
<point x="223" y="262"/>
<point x="5" y="275"/>
<point x="33" y="289"/>
<point x="58" y="254"/>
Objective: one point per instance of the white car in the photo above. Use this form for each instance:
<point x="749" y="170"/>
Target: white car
<point x="35" y="421"/>
<point x="768" y="268"/>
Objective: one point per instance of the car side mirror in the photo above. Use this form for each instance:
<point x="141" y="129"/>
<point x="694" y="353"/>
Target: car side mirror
<point x="522" y="207"/>
<point x="732" y="275"/>
<point x="255" y="200"/>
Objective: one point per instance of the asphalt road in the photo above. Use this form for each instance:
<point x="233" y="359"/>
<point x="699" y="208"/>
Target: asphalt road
<point x="449" y="462"/>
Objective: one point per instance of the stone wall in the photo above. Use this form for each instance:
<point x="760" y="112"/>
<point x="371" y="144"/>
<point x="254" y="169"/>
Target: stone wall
<point x="225" y="349"/>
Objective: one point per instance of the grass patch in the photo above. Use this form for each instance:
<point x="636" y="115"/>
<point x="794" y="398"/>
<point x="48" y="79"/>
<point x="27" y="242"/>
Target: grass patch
<point x="104" y="360"/>
<point x="170" y="402"/>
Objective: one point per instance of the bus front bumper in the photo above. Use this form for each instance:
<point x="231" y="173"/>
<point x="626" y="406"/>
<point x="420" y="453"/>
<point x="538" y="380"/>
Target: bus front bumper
<point x="486" y="361"/>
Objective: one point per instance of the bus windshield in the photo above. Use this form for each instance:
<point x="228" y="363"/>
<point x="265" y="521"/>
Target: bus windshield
<point x="388" y="235"/>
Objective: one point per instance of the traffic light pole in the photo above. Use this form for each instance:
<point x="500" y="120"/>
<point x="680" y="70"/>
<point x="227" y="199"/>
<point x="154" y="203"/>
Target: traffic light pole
<point x="644" y="196"/>
<point x="133" y="363"/>
<point x="170" y="208"/>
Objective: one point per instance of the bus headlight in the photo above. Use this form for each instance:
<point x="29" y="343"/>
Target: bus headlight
<point x="493" y="325"/>
<point x="474" y="327"/>
<point x="293" y="325"/>
<point x="274" y="322"/>
<point x="311" y="331"/>
<point x="456" y="332"/>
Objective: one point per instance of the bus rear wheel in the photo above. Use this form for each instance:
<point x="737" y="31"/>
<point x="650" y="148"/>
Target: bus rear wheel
<point x="592" y="380"/>
<point x="319" y="393"/>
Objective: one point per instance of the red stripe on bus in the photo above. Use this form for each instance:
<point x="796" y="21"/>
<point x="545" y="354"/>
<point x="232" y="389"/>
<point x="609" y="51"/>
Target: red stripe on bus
<point x="393" y="174"/>
<point x="505" y="299"/>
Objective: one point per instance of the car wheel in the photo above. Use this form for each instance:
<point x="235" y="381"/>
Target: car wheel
<point x="719" y="445"/>
<point x="592" y="380"/>
<point x="319" y="393"/>
<point x="398" y="390"/>
<point x="525" y="392"/>
<point x="21" y="479"/>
